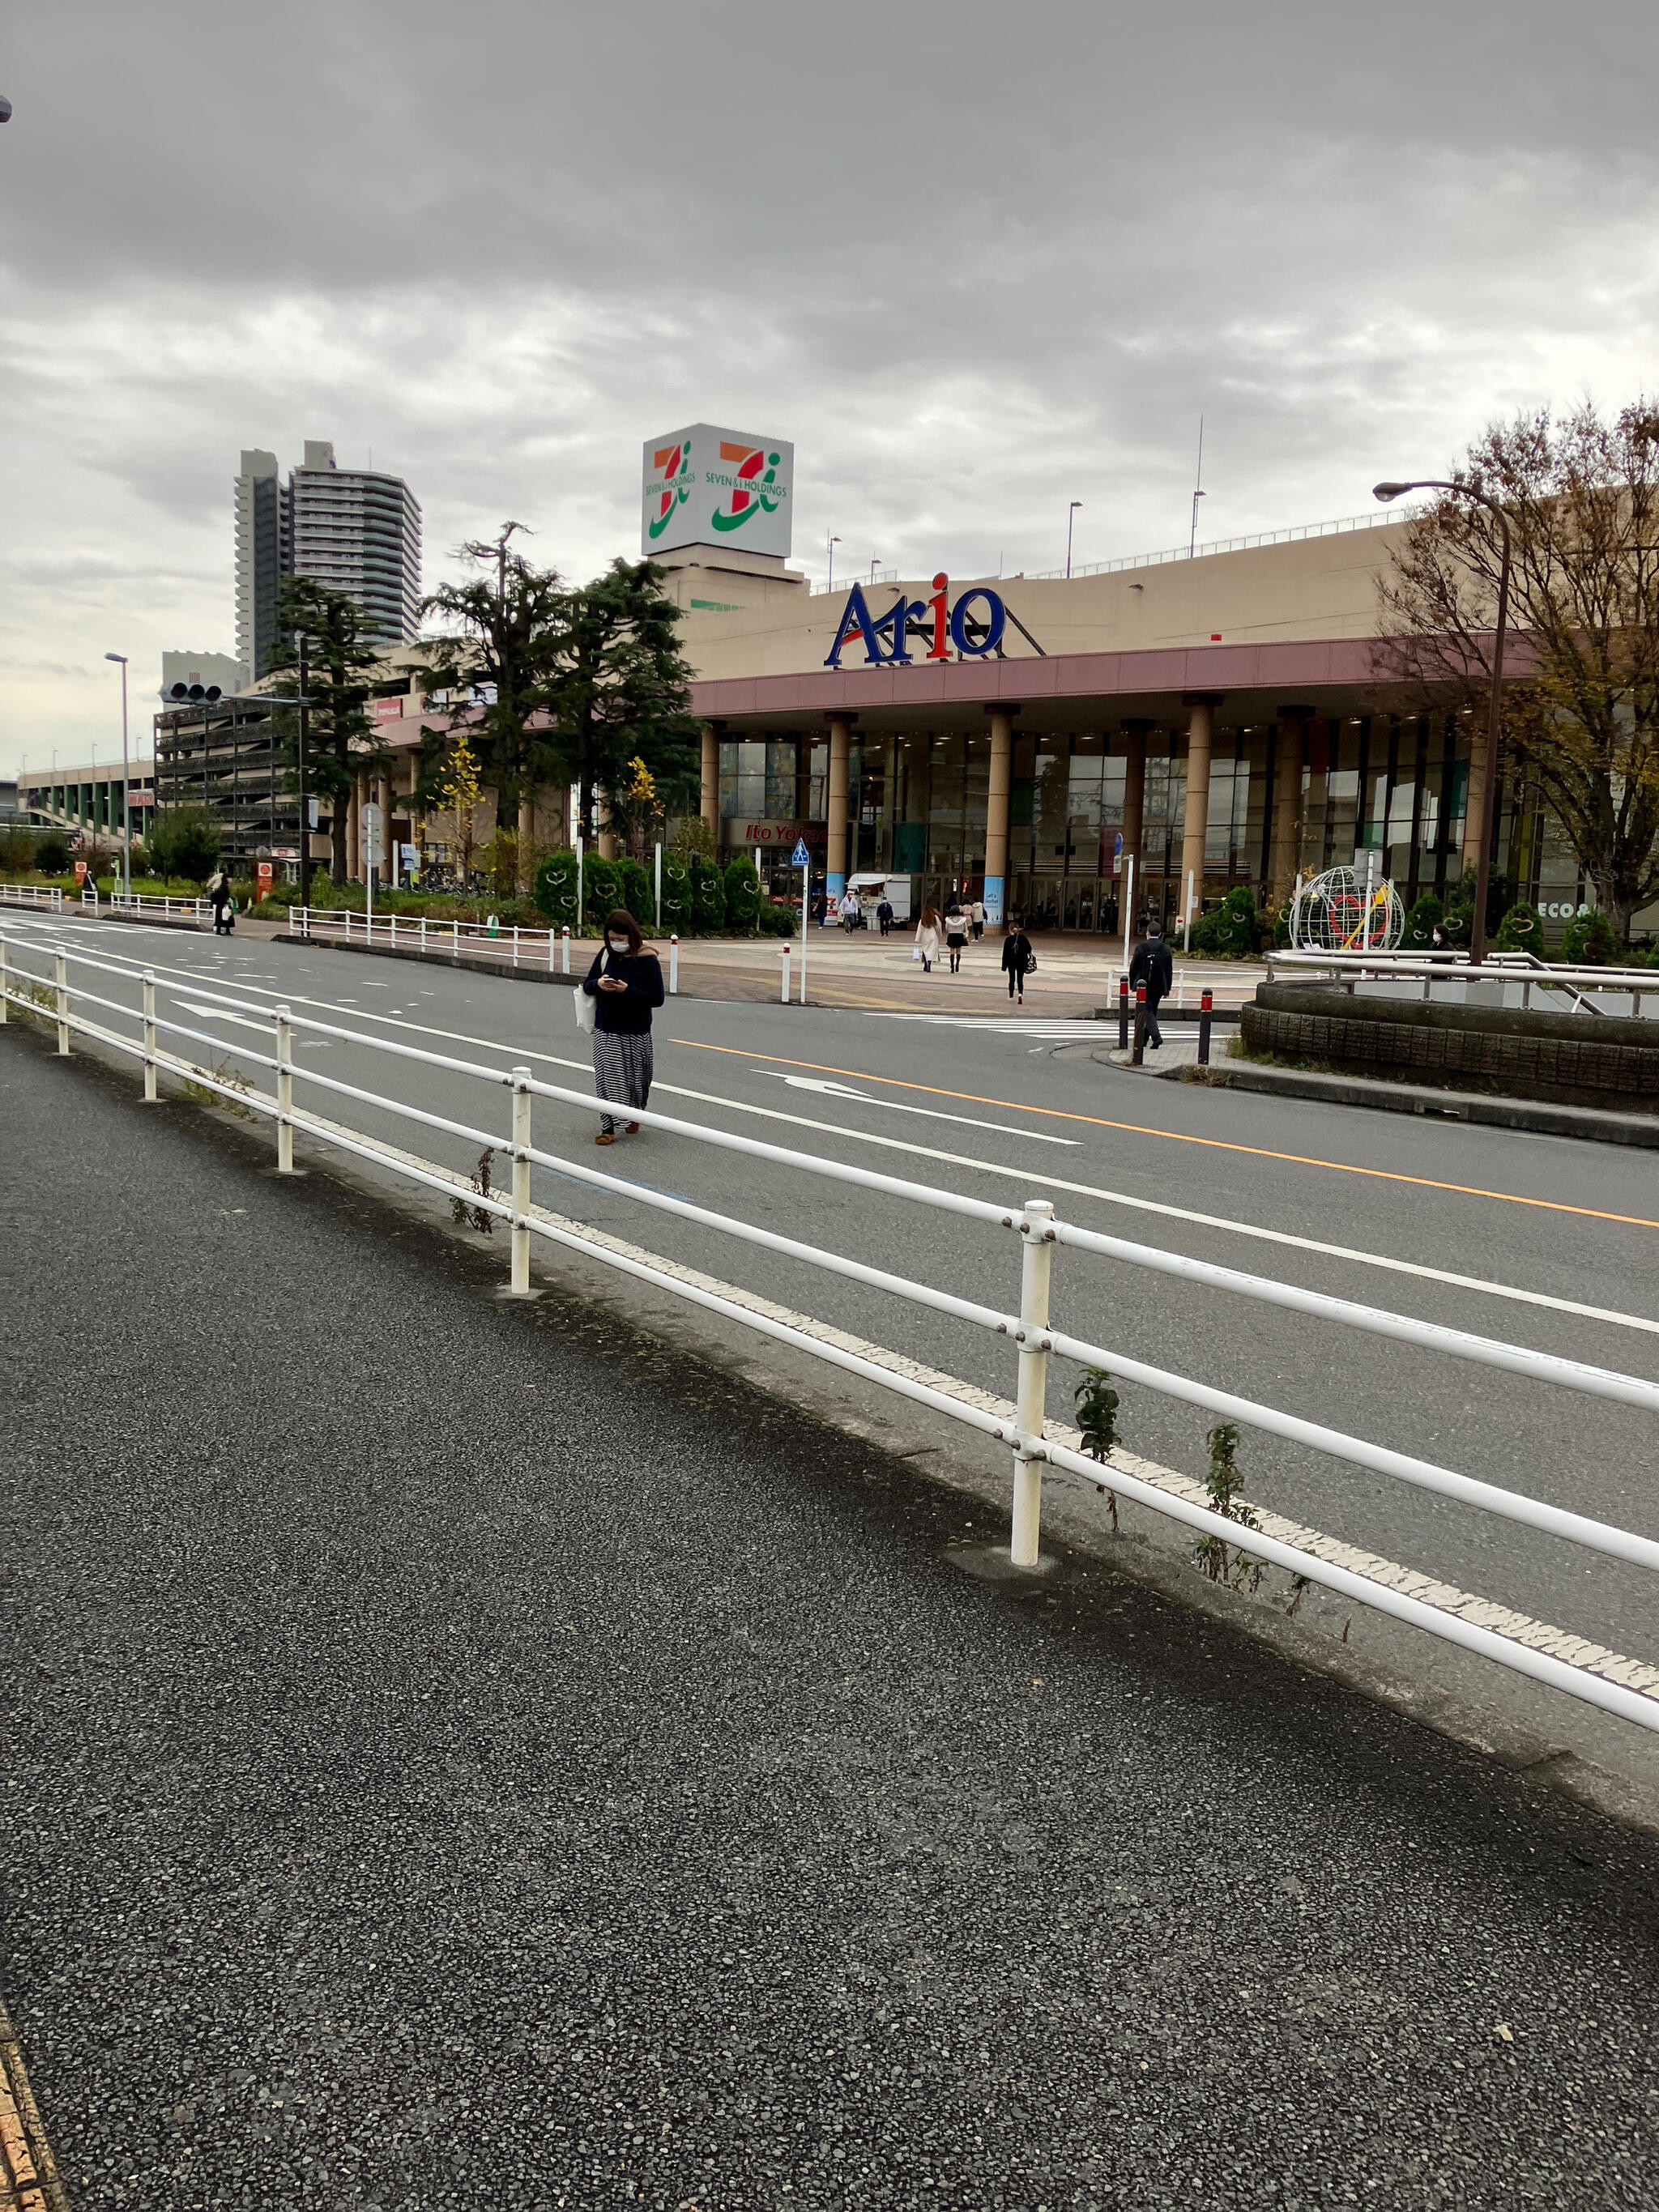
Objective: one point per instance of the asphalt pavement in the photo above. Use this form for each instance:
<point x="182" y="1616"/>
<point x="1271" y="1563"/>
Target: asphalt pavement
<point x="461" y="1754"/>
<point x="1548" y="1242"/>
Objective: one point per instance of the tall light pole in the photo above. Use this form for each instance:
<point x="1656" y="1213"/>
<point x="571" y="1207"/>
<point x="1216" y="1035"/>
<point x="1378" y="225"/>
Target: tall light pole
<point x="126" y="784"/>
<point x="1385" y="492"/>
<point x="833" y="541"/>
<point x="1070" y="519"/>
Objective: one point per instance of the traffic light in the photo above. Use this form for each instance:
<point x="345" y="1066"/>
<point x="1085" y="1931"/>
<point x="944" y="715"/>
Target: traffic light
<point x="195" y="695"/>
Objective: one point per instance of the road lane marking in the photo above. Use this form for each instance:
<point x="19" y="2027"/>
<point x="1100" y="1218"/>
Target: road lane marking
<point x="1181" y="1136"/>
<point x="1425" y="1272"/>
<point x="830" y="1090"/>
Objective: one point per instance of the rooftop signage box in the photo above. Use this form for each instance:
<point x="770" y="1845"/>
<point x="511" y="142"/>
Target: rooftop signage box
<point x="706" y="486"/>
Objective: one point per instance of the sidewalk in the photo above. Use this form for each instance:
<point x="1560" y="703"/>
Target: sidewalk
<point x="466" y="1752"/>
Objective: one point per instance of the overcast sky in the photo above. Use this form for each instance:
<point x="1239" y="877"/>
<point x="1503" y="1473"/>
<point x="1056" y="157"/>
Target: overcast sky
<point x="977" y="261"/>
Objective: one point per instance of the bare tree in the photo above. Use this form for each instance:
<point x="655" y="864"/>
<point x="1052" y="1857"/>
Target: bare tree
<point x="1580" y="709"/>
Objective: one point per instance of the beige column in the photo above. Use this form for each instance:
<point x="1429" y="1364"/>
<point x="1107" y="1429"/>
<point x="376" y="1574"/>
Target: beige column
<point x="1200" y="736"/>
<point x="1290" y="752"/>
<point x="526" y="840"/>
<point x="710" y="793"/>
<point x="604" y="834"/>
<point x="840" y="736"/>
<point x="1474" y="805"/>
<point x="354" y="807"/>
<point x="996" y="812"/>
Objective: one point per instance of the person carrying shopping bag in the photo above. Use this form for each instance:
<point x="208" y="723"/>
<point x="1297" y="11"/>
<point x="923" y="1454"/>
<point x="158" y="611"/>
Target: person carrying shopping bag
<point x="928" y="936"/>
<point x="1018" y="960"/>
<point x="624" y="983"/>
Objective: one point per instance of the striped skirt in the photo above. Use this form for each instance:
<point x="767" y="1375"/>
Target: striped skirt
<point x="622" y="1072"/>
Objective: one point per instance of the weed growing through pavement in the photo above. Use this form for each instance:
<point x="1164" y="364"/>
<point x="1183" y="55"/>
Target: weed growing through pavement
<point x="1225" y="1482"/>
<point x="479" y="1217"/>
<point x="38" y="994"/>
<point x="1097" y="1416"/>
<point x="233" y="1079"/>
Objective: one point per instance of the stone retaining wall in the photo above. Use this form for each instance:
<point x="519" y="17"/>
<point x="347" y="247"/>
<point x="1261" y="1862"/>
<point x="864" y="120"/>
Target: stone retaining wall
<point x="1578" y="1059"/>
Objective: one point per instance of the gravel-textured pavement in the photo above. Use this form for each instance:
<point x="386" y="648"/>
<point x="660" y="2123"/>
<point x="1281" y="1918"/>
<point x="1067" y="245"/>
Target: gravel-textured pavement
<point x="459" y="1754"/>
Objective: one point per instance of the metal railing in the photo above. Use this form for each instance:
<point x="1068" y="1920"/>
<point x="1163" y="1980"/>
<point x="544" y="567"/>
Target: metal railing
<point x="508" y="942"/>
<point x="49" y="895"/>
<point x="1592" y="990"/>
<point x="166" y="906"/>
<point x="50" y="995"/>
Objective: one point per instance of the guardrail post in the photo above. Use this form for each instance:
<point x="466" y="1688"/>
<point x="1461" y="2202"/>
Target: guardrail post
<point x="515" y="944"/>
<point x="1204" y="1005"/>
<point x="674" y="963"/>
<point x="1123" y="1013"/>
<point x="423" y="932"/>
<point x="1037" y="1259"/>
<point x="394" y="932"/>
<point x="5" y="983"/>
<point x="284" y="1091"/>
<point x="149" y="1038"/>
<point x="564" y="950"/>
<point x="1138" y="1056"/>
<point x="786" y="975"/>
<point x="521" y="1182"/>
<point x="62" y="967"/>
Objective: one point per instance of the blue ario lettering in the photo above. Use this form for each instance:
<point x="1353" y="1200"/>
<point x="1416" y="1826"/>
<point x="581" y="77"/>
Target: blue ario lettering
<point x="886" y="637"/>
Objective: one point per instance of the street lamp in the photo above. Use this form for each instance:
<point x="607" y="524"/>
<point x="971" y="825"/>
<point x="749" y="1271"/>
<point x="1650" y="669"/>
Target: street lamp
<point x="1070" y="519"/>
<point x="833" y="541"/>
<point x="126" y="781"/>
<point x="1385" y="492"/>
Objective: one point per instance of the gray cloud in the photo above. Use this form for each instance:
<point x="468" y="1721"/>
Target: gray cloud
<point x="977" y="261"/>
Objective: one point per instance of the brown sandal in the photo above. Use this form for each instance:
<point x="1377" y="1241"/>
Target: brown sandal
<point x="630" y="1128"/>
<point x="605" y="1136"/>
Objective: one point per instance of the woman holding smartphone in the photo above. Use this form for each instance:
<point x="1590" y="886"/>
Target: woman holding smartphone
<point x="625" y="983"/>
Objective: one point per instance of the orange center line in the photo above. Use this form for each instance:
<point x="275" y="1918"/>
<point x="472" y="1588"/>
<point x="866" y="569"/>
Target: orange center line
<point x="1177" y="1136"/>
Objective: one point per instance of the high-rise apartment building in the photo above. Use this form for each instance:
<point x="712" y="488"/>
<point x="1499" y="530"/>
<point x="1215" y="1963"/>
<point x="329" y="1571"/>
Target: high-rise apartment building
<point x="357" y="530"/>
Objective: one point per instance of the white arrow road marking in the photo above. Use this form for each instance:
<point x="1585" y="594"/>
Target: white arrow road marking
<point x="831" y="1090"/>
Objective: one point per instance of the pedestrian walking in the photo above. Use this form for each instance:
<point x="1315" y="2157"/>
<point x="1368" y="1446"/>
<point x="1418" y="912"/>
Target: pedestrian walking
<point x="976" y="915"/>
<point x="1018" y="960"/>
<point x="885" y="915"/>
<point x="218" y="891"/>
<point x="1154" y="967"/>
<point x="956" y="935"/>
<point x="927" y="938"/>
<point x="850" y="911"/>
<point x="624" y="983"/>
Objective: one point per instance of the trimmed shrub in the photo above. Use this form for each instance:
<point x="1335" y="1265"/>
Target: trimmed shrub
<point x="1420" y="924"/>
<point x="1522" y="930"/>
<point x="779" y="921"/>
<point x="708" y="895"/>
<point x="601" y="888"/>
<point x="555" y="889"/>
<point x="746" y="895"/>
<point x="676" y="894"/>
<point x="51" y="852"/>
<point x="636" y="893"/>
<point x="1587" y="941"/>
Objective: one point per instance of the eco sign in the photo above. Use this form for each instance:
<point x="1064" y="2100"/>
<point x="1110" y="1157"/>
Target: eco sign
<point x="706" y="486"/>
<point x="969" y="629"/>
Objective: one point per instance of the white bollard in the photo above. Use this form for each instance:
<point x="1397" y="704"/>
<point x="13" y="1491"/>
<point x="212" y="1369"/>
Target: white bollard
<point x="521" y="1182"/>
<point x="674" y="963"/>
<point x="564" y="950"/>
<point x="1036" y="1263"/>
<point x="284" y="1091"/>
<point x="149" y="1038"/>
<point x="785" y="975"/>
<point x="62" y="968"/>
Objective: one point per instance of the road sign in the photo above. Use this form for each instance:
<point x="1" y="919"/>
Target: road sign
<point x="371" y="836"/>
<point x="800" y="858"/>
<point x="80" y="871"/>
<point x="265" y="873"/>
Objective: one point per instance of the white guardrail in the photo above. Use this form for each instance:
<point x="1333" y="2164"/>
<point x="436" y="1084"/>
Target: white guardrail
<point x="505" y="941"/>
<point x="50" y="996"/>
<point x="1436" y="971"/>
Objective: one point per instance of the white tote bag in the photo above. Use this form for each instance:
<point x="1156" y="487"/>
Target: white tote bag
<point x="586" y="1010"/>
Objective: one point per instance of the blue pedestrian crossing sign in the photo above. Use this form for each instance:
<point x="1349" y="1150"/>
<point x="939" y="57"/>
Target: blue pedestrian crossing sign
<point x="800" y="858"/>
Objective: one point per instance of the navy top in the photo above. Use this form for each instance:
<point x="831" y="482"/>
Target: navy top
<point x="625" y="1013"/>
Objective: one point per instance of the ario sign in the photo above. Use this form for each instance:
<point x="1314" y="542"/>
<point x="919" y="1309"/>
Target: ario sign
<point x="968" y="628"/>
<point x="706" y="486"/>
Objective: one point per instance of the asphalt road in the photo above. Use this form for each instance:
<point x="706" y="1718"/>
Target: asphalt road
<point x="1013" y="1108"/>
<point x="456" y="1754"/>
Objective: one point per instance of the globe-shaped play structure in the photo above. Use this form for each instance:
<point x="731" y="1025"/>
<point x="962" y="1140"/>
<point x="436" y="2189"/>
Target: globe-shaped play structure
<point x="1343" y="911"/>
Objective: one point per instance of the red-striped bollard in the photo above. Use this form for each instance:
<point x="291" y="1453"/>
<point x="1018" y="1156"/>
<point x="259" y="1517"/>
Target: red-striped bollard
<point x="1139" y="1054"/>
<point x="1206" y="1007"/>
<point x="1123" y="1013"/>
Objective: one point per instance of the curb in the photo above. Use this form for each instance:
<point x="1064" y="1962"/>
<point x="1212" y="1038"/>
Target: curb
<point x="29" y="2180"/>
<point x="1533" y="1115"/>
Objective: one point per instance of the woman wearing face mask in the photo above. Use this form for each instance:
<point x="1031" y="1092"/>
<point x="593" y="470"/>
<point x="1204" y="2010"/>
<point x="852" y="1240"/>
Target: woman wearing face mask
<point x="625" y="982"/>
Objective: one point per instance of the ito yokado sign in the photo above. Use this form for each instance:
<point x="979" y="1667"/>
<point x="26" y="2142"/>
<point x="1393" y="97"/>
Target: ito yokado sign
<point x="706" y="486"/>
